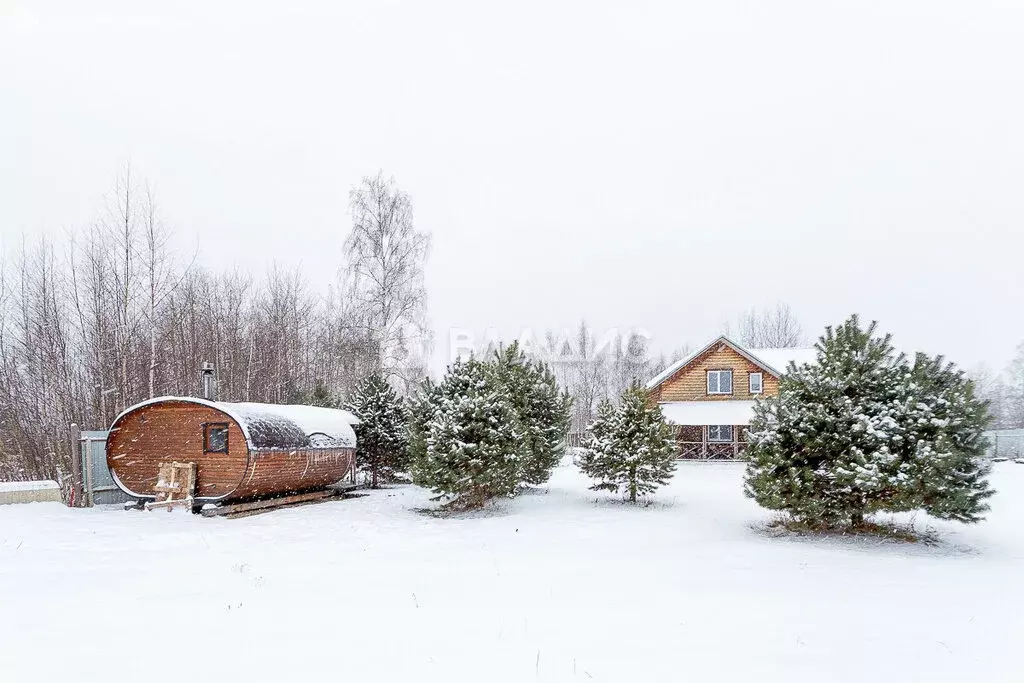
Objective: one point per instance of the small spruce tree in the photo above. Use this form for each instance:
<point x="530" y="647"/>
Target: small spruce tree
<point x="382" y="432"/>
<point x="861" y="431"/>
<point x="543" y="411"/>
<point x="473" y="441"/>
<point x="629" y="448"/>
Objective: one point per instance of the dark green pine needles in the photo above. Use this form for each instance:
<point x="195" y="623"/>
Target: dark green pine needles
<point x="383" y="432"/>
<point x="629" y="448"/>
<point x="863" y="431"/>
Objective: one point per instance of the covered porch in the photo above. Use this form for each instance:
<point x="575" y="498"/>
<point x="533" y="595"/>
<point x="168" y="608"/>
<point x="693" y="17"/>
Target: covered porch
<point x="709" y="430"/>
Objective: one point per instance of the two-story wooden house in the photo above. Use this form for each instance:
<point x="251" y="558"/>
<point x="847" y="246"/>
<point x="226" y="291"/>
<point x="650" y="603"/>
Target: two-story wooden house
<point x="710" y="394"/>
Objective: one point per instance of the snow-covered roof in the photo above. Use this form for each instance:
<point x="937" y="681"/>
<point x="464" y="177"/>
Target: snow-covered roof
<point x="779" y="359"/>
<point x="40" y="485"/>
<point x="708" y="412"/>
<point x="269" y="425"/>
<point x="775" y="361"/>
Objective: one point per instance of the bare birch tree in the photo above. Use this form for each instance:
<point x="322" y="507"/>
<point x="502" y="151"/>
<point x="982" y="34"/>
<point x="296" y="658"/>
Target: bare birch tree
<point x="118" y="318"/>
<point x="770" y="329"/>
<point x="385" y="257"/>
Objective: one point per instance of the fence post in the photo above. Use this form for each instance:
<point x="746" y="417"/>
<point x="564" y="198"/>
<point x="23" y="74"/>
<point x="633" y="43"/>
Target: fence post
<point x="88" y="473"/>
<point x="76" y="465"/>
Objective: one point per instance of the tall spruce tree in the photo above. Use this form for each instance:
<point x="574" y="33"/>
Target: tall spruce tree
<point x="543" y="411"/>
<point x="421" y="407"/>
<point x="474" y="447"/>
<point x="629" y="448"/>
<point x="382" y="432"/>
<point x="861" y="431"/>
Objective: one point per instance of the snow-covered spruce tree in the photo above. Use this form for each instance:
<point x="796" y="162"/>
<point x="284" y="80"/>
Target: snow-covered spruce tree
<point x="543" y="411"/>
<point x="382" y="433"/>
<point x="421" y="408"/>
<point x="596" y="457"/>
<point x="860" y="432"/>
<point x="474" y="444"/>
<point x="629" y="448"/>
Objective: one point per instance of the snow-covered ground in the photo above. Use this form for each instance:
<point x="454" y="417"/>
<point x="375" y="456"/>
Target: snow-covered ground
<point x="558" y="585"/>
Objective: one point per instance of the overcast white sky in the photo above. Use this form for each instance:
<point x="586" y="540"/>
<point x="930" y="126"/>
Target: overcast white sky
<point x="661" y="165"/>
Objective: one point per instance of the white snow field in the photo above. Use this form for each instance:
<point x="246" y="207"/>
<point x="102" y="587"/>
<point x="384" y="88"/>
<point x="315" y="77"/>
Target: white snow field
<point x="562" y="585"/>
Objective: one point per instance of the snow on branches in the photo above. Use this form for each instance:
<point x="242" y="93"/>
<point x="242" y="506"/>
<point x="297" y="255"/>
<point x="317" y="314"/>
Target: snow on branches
<point x="629" y="447"/>
<point x="488" y="428"/>
<point x="383" y="441"/>
<point x="864" y="430"/>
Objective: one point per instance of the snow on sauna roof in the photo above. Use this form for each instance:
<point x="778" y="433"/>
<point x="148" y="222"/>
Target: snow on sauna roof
<point x="692" y="413"/>
<point x="274" y="426"/>
<point x="268" y="425"/>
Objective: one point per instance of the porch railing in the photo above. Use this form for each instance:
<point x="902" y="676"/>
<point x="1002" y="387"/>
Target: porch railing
<point x="711" y="450"/>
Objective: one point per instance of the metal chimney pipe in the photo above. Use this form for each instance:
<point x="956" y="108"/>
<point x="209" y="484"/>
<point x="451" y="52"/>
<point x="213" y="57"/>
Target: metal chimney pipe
<point x="209" y="381"/>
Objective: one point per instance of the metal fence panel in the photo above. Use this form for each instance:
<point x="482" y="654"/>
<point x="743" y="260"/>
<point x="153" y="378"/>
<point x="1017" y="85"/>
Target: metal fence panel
<point x="97" y="481"/>
<point x="1006" y="443"/>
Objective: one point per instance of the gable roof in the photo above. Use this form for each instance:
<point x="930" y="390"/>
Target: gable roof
<point x="774" y="361"/>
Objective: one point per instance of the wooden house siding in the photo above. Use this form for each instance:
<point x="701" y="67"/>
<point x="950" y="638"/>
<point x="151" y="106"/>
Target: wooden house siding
<point x="689" y="383"/>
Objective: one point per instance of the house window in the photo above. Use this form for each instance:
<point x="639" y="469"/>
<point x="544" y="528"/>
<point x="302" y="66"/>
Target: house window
<point x="719" y="433"/>
<point x="215" y="438"/>
<point x="756" y="382"/>
<point x="719" y="381"/>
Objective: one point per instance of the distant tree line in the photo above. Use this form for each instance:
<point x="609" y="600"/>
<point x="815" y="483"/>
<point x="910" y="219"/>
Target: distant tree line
<point x="596" y="369"/>
<point x="776" y="328"/>
<point x="109" y="316"/>
<point x="1004" y="391"/>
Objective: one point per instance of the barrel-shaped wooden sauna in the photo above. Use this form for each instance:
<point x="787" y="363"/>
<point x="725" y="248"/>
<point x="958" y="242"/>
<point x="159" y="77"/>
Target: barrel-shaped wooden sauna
<point x="242" y="451"/>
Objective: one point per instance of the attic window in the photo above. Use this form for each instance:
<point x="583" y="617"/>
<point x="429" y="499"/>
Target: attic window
<point x="719" y="381"/>
<point x="756" y="382"/>
<point x="215" y="438"/>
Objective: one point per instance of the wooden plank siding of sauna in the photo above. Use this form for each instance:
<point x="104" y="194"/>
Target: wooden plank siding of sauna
<point x="173" y="431"/>
<point x="689" y="383"/>
<point x="276" y="471"/>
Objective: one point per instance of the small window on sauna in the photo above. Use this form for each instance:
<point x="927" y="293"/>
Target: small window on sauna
<point x="215" y="438"/>
<point x="720" y="433"/>
<point x="756" y="381"/>
<point x="719" y="381"/>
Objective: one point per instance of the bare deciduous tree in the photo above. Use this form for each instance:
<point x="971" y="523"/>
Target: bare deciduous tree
<point x="770" y="329"/>
<point x="385" y="255"/>
<point x="118" y="318"/>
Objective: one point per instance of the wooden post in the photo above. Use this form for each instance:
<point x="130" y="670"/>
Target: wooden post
<point x="704" y="442"/>
<point x="76" y="465"/>
<point x="88" y="473"/>
<point x="89" y="500"/>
